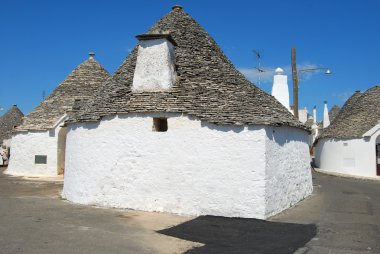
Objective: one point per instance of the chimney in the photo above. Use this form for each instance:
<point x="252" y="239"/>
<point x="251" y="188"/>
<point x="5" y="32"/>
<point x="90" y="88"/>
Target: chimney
<point x="280" y="89"/>
<point x="326" y="119"/>
<point x="315" y="114"/>
<point x="155" y="64"/>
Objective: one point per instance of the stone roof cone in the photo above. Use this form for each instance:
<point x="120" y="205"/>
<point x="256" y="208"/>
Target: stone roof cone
<point x="13" y="117"/>
<point x="207" y="85"/>
<point x="358" y="115"/>
<point x="81" y="84"/>
<point x="334" y="111"/>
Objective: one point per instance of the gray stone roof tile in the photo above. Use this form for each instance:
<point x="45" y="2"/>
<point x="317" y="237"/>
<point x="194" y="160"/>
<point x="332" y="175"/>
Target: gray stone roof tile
<point x="334" y="111"/>
<point x="13" y="117"/>
<point x="81" y="84"/>
<point x="360" y="113"/>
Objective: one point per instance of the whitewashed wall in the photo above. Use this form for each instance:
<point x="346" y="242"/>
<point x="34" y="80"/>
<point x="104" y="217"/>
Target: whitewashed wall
<point x="280" y="89"/>
<point x="194" y="168"/>
<point x="155" y="69"/>
<point x="347" y="156"/>
<point x="24" y="147"/>
<point x="288" y="174"/>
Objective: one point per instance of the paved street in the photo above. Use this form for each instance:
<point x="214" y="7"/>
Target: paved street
<point x="346" y="212"/>
<point x="342" y="216"/>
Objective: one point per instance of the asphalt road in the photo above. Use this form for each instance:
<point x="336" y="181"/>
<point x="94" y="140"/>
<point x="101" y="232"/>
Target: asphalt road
<point x="342" y="216"/>
<point x="346" y="212"/>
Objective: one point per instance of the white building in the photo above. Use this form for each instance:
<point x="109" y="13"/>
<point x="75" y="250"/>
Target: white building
<point x="350" y="145"/>
<point x="178" y="129"/>
<point x="38" y="145"/>
<point x="280" y="90"/>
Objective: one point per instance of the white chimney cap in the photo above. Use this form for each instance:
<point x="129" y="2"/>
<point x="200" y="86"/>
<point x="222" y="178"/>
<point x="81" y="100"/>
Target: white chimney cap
<point x="279" y="71"/>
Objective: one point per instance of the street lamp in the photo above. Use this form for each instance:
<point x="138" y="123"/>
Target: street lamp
<point x="295" y="79"/>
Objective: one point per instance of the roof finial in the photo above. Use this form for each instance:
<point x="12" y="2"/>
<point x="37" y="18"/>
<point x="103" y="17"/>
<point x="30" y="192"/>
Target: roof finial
<point x="279" y="71"/>
<point x="177" y="7"/>
<point x="91" y="54"/>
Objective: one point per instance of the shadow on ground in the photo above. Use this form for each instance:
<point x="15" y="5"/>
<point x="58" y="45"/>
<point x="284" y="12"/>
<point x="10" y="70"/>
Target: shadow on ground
<point x="238" y="235"/>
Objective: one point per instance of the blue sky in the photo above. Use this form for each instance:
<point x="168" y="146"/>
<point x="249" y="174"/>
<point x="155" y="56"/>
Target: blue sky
<point x="43" y="41"/>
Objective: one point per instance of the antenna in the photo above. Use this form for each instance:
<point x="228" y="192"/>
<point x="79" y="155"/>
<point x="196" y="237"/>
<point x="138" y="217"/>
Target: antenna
<point x="258" y="68"/>
<point x="43" y="95"/>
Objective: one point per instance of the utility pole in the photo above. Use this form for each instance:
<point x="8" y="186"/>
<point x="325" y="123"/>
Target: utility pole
<point x="295" y="83"/>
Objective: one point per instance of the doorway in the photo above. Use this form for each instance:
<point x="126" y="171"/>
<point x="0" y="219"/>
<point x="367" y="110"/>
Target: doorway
<point x="61" y="150"/>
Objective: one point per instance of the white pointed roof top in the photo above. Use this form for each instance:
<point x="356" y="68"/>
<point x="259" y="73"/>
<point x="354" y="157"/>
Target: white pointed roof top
<point x="279" y="71"/>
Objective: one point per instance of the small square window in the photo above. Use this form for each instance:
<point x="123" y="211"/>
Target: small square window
<point x="160" y="124"/>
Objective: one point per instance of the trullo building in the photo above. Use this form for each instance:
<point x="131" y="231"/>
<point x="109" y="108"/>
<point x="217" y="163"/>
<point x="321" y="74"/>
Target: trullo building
<point x="11" y="118"/>
<point x="38" y="145"/>
<point x="178" y="129"/>
<point x="350" y="145"/>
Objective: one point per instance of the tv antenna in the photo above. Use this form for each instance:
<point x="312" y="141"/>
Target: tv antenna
<point x="258" y="67"/>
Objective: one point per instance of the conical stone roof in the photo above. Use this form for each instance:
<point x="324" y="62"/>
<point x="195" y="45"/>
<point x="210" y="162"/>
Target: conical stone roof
<point x="13" y="117"/>
<point x="334" y="111"/>
<point x="208" y="86"/>
<point x="360" y="113"/>
<point x="81" y="84"/>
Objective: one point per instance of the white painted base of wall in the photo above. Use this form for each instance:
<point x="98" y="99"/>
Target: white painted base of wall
<point x="376" y="178"/>
<point x="355" y="157"/>
<point x="195" y="168"/>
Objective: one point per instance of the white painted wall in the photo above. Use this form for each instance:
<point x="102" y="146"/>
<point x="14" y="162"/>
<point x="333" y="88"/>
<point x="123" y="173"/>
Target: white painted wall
<point x="155" y="69"/>
<point x="326" y="117"/>
<point x="194" y="168"/>
<point x="25" y="145"/>
<point x="7" y="142"/>
<point x="288" y="174"/>
<point x="348" y="156"/>
<point x="302" y="114"/>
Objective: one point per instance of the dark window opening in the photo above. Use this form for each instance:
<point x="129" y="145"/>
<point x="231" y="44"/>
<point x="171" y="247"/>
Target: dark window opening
<point x="40" y="159"/>
<point x="160" y="124"/>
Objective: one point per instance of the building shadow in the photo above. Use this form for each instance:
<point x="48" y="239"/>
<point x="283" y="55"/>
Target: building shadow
<point x="238" y="235"/>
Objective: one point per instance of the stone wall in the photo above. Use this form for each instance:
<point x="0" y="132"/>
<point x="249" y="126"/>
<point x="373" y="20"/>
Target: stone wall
<point x="26" y="145"/>
<point x="288" y="174"/>
<point x="194" y="168"/>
